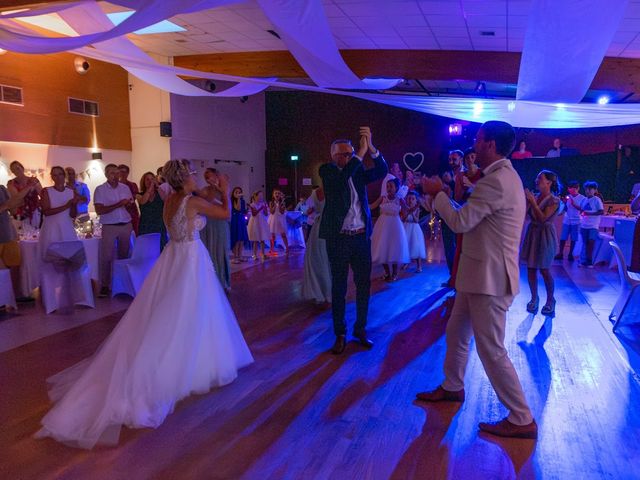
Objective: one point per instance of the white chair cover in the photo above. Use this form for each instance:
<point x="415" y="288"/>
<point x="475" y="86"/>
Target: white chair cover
<point x="65" y="277"/>
<point x="7" y="297"/>
<point x="129" y="273"/>
<point x="628" y="283"/>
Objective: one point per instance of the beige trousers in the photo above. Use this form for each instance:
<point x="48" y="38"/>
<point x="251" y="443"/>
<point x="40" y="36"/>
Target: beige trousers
<point x="110" y="235"/>
<point x="484" y="316"/>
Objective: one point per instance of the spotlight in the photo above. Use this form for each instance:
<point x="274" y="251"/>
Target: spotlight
<point x="603" y="100"/>
<point x="511" y="106"/>
<point x="478" y="107"/>
<point x="455" y="129"/>
<point x="210" y="86"/>
<point x="2" y="51"/>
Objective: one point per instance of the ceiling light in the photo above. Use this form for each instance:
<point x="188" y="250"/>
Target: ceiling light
<point x="164" y="26"/>
<point x="603" y="100"/>
<point x="478" y="107"/>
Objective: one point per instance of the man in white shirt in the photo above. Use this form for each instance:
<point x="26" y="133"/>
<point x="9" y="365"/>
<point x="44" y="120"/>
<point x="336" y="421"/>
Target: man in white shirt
<point x="346" y="227"/>
<point x="591" y="209"/>
<point x="488" y="279"/>
<point x="111" y="200"/>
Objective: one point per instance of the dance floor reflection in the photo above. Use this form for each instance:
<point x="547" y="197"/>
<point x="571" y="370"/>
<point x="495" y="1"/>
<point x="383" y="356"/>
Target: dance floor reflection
<point x="300" y="412"/>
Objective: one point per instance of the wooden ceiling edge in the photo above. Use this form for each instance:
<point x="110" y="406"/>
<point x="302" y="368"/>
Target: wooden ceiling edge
<point x="615" y="73"/>
<point x="17" y="4"/>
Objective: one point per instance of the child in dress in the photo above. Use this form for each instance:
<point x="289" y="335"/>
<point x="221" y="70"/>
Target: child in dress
<point x="591" y="209"/>
<point x="239" y="234"/>
<point x="415" y="237"/>
<point x="571" y="221"/>
<point x="278" y="221"/>
<point x="258" y="229"/>
<point x="389" y="245"/>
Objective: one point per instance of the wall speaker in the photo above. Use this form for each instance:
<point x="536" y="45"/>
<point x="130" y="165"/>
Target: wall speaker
<point x="165" y="129"/>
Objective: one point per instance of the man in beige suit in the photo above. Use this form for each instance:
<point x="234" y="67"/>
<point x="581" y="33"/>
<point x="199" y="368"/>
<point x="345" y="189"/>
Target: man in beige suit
<point x="487" y="280"/>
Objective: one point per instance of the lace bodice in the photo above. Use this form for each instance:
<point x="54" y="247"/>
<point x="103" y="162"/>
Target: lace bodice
<point x="390" y="207"/>
<point x="181" y="229"/>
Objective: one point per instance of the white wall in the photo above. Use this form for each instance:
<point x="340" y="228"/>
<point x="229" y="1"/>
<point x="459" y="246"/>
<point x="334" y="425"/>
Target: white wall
<point x="148" y="106"/>
<point x="207" y="129"/>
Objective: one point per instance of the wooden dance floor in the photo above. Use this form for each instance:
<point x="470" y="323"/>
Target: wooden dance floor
<point x="300" y="412"/>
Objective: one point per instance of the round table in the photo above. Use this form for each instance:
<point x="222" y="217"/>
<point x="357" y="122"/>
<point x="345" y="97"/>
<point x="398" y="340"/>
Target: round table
<point x="31" y="258"/>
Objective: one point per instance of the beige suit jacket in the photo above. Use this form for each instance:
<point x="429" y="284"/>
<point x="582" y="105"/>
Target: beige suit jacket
<point x="491" y="222"/>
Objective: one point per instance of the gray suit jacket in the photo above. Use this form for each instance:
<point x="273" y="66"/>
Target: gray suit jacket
<point x="491" y="222"/>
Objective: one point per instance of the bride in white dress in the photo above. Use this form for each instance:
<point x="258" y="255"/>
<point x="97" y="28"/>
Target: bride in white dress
<point x="178" y="337"/>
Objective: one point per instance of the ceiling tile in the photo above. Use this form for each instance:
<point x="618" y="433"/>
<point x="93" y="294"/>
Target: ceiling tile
<point x="446" y="21"/>
<point x="482" y="7"/>
<point x="487" y="21"/>
<point x="408" y="21"/>
<point x="440" y="8"/>
<point x="450" y="31"/>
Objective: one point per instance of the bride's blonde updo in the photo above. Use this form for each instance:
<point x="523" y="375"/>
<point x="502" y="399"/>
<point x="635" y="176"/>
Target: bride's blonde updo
<point x="176" y="172"/>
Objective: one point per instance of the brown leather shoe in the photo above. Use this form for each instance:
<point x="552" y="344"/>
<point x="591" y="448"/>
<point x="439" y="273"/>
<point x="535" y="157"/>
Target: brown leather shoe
<point x="339" y="345"/>
<point x="362" y="339"/>
<point x="441" y="395"/>
<point x="504" y="428"/>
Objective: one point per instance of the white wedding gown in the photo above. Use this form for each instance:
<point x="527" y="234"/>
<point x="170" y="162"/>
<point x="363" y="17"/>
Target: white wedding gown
<point x="178" y="337"/>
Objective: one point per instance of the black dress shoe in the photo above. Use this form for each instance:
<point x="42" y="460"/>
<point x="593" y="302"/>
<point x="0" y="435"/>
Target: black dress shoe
<point x="362" y="339"/>
<point x="339" y="345"/>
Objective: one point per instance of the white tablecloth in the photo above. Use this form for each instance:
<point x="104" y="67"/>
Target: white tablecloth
<point x="31" y="258"/>
<point x="294" y="233"/>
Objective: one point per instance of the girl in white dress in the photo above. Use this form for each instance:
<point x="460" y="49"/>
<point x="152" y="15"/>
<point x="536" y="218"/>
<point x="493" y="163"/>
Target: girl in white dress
<point x="389" y="241"/>
<point x="258" y="228"/>
<point x="59" y="207"/>
<point x="278" y="221"/>
<point x="178" y="337"/>
<point x="316" y="284"/>
<point x="415" y="237"/>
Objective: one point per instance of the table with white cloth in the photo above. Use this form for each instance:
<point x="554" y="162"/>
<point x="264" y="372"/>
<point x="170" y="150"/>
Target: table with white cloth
<point x="32" y="257"/>
<point x="295" y="236"/>
<point x="602" y="252"/>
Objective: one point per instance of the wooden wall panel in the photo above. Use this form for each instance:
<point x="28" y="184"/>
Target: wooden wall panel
<point x="47" y="82"/>
<point x="616" y="74"/>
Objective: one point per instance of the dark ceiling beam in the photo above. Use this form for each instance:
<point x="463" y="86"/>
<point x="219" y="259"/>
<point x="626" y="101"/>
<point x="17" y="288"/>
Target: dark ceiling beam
<point x="615" y="74"/>
<point x="16" y="4"/>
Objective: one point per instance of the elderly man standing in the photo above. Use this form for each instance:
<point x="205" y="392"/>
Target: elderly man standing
<point x="111" y="200"/>
<point x="346" y="227"/>
<point x="488" y="279"/>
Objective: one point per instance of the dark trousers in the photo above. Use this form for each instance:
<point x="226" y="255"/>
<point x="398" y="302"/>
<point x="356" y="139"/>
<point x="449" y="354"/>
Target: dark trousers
<point x="449" y="242"/>
<point x="344" y="251"/>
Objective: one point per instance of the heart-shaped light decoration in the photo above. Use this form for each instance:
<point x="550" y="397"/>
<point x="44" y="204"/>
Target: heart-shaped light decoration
<point x="413" y="161"/>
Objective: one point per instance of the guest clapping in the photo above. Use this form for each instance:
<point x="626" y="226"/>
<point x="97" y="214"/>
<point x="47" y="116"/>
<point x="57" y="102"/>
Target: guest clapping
<point x="59" y="207"/>
<point x="540" y="241"/>
<point x="278" y="221"/>
<point x="29" y="208"/>
<point x="110" y="200"/>
<point x="151" y="208"/>
<point x="389" y="245"/>
<point x="239" y="233"/>
<point x="258" y="228"/>
<point x="216" y="235"/>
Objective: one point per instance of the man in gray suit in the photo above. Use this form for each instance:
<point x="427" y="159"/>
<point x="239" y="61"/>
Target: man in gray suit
<point x="488" y="278"/>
